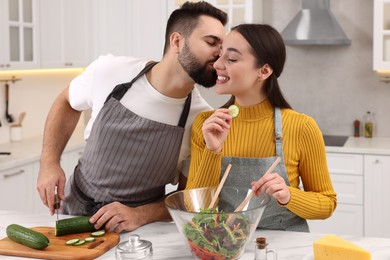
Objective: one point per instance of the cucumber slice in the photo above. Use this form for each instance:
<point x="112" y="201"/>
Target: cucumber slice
<point x="89" y="239"/>
<point x="98" y="233"/>
<point x="81" y="242"/>
<point x="72" y="241"/>
<point x="234" y="111"/>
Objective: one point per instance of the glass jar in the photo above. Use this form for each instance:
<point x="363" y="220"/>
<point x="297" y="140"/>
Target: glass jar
<point x="134" y="248"/>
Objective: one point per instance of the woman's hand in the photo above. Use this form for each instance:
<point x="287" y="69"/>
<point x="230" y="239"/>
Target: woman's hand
<point x="216" y="128"/>
<point x="272" y="184"/>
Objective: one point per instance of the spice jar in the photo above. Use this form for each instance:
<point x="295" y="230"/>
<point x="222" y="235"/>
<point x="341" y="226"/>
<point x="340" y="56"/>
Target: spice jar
<point x="261" y="250"/>
<point x="134" y="248"/>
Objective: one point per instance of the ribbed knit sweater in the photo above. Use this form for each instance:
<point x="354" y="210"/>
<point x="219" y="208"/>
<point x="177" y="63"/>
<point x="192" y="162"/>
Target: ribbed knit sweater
<point x="252" y="135"/>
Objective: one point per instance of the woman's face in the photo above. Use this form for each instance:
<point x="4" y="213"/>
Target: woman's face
<point x="237" y="71"/>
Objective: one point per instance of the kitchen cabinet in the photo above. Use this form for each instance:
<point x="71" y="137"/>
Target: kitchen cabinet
<point x="346" y="172"/>
<point x="121" y="28"/>
<point x="65" y="33"/>
<point x="19" y="30"/>
<point x="239" y="11"/>
<point x="376" y="195"/>
<point x="16" y="188"/>
<point x="381" y="36"/>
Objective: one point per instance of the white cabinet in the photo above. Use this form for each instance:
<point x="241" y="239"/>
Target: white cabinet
<point x="346" y="172"/>
<point x="122" y="28"/>
<point x="381" y="37"/>
<point x="16" y="188"/>
<point x="376" y="195"/>
<point x="65" y="33"/>
<point x="19" y="44"/>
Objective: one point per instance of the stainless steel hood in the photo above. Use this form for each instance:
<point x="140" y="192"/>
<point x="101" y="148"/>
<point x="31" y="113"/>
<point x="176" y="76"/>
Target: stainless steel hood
<point x="315" y="24"/>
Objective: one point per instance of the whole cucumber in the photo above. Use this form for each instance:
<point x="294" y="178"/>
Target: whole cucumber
<point x="74" y="225"/>
<point x="27" y="237"/>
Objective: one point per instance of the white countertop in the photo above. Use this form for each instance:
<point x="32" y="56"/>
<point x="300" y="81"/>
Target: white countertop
<point x="362" y="145"/>
<point x="167" y="242"/>
<point x="29" y="150"/>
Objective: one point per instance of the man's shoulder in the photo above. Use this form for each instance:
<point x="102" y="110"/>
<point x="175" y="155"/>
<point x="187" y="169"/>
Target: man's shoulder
<point x="121" y="61"/>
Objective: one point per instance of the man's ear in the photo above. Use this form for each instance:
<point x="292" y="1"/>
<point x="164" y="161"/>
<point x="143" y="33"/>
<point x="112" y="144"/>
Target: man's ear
<point x="265" y="72"/>
<point x="175" y="41"/>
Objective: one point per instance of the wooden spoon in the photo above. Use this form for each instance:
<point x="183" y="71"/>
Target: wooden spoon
<point x="211" y="206"/>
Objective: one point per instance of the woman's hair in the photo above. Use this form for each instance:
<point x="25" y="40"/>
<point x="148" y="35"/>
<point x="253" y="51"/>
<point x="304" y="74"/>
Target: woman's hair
<point x="186" y="18"/>
<point x="268" y="47"/>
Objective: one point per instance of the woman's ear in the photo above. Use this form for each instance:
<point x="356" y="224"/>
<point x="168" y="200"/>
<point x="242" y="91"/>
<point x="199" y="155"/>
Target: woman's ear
<point x="175" y="40"/>
<point x="265" y="72"/>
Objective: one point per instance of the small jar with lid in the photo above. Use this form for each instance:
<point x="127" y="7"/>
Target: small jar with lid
<point x="134" y="248"/>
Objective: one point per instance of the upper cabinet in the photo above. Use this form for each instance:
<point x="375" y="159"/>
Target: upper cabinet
<point x="19" y="48"/>
<point x="381" y="39"/>
<point x="65" y="33"/>
<point x="132" y="28"/>
<point x="239" y="11"/>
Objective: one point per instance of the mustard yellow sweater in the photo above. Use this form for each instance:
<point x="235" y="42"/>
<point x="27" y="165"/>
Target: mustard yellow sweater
<point x="252" y="135"/>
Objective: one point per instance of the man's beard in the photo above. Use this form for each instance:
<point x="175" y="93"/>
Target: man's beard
<point x="200" y="73"/>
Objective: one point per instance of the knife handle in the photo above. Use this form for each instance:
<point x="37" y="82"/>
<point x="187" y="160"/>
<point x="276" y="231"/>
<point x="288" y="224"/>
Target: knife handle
<point x="57" y="202"/>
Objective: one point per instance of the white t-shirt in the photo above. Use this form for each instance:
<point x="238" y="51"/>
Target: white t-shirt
<point x="91" y="88"/>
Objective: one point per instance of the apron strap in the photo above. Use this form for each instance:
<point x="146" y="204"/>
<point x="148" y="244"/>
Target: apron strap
<point x="185" y="112"/>
<point x="278" y="131"/>
<point x="121" y="89"/>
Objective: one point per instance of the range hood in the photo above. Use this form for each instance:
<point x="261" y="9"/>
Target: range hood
<point x="315" y="24"/>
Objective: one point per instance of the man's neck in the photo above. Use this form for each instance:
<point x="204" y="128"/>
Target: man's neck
<point x="170" y="80"/>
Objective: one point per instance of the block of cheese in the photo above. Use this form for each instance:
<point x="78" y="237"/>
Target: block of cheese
<point x="332" y="247"/>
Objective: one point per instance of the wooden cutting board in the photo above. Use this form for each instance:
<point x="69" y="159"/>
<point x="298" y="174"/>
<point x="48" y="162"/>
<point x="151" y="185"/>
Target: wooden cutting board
<point x="57" y="248"/>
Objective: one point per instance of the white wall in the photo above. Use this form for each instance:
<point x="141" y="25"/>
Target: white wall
<point x="34" y="94"/>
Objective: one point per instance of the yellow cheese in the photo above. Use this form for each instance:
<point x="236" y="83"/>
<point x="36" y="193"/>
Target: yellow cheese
<point x="331" y="247"/>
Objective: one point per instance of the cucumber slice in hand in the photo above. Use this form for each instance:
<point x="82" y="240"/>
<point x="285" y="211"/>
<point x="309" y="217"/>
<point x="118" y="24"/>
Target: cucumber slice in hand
<point x="234" y="111"/>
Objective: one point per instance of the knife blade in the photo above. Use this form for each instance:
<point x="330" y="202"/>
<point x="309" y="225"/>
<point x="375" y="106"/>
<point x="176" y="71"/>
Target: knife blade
<point x="57" y="203"/>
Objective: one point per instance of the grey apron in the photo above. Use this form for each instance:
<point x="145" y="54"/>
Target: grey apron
<point x="246" y="170"/>
<point x="127" y="158"/>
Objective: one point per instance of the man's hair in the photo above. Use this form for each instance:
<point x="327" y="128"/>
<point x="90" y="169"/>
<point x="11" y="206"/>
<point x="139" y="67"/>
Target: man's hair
<point x="185" y="19"/>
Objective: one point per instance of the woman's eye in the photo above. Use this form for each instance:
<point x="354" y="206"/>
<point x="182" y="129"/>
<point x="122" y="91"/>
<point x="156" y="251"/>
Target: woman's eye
<point x="232" y="60"/>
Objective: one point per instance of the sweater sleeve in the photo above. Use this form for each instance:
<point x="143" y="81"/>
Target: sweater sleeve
<point x="318" y="200"/>
<point x="205" y="165"/>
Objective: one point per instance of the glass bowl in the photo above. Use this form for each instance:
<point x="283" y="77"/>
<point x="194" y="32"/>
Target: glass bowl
<point x="218" y="233"/>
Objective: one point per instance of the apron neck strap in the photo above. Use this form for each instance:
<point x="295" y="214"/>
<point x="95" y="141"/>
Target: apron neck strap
<point x="121" y="89"/>
<point x="185" y="112"/>
<point x="278" y="131"/>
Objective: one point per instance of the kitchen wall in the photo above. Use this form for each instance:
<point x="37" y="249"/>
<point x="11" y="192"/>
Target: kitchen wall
<point x="33" y="94"/>
<point x="333" y="84"/>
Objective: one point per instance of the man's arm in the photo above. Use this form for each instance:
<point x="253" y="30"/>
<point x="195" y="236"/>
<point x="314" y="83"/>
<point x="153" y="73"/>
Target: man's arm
<point x="60" y="124"/>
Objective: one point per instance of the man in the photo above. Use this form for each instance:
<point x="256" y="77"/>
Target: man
<point x="138" y="134"/>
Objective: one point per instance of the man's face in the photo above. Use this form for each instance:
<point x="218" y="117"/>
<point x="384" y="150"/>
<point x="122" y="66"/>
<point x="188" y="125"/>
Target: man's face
<point x="201" y="50"/>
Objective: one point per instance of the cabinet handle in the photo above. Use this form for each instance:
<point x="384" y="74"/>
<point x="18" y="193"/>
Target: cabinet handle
<point x="68" y="64"/>
<point x="377" y="161"/>
<point x="5" y="176"/>
<point x="7" y="65"/>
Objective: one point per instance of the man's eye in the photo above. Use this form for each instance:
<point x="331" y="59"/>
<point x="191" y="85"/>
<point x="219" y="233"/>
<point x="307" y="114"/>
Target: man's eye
<point x="211" y="43"/>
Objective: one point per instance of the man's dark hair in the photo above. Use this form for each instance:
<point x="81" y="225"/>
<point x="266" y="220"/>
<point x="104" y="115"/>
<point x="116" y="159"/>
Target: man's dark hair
<point x="186" y="18"/>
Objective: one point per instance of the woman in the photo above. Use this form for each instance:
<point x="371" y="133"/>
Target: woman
<point x="251" y="60"/>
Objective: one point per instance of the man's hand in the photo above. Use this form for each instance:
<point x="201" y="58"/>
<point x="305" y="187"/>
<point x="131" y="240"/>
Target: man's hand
<point x="49" y="178"/>
<point x="126" y="218"/>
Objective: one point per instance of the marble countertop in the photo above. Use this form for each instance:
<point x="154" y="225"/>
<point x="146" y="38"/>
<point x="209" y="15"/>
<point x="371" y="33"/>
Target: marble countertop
<point x="167" y="242"/>
<point x="29" y="150"/>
